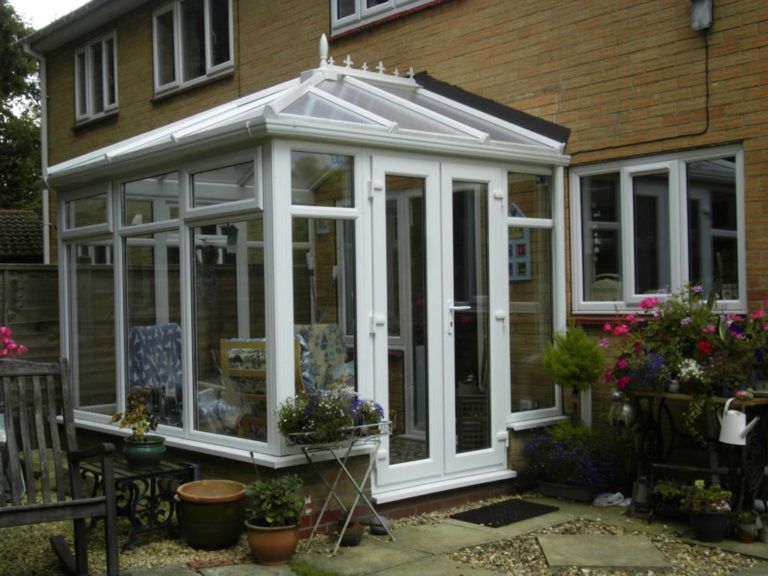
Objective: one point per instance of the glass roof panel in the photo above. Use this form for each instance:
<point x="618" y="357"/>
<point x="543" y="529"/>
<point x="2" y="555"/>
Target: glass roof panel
<point x="316" y="107"/>
<point x="406" y="119"/>
<point x="495" y="132"/>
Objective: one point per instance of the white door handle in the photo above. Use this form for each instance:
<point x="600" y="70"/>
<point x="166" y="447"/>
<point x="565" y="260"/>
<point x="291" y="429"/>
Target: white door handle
<point x="451" y="309"/>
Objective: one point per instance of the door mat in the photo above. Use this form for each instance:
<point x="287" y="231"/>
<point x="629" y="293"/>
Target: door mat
<point x="504" y="513"/>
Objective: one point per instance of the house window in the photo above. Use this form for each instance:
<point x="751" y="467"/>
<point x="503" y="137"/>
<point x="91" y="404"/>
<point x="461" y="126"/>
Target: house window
<point x="192" y="42"/>
<point x="650" y="226"/>
<point x="96" y="78"/>
<point x="347" y="15"/>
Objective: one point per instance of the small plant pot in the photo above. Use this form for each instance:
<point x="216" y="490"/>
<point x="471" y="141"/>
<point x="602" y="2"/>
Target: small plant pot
<point x="354" y="534"/>
<point x="272" y="546"/>
<point x="211" y="513"/>
<point x="709" y="526"/>
<point x="144" y="453"/>
<point x="746" y="533"/>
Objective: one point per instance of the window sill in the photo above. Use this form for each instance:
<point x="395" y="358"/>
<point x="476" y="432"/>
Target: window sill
<point x="193" y="84"/>
<point x="110" y="116"/>
<point x="537" y="423"/>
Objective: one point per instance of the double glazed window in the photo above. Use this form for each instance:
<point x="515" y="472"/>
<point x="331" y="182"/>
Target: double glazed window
<point x="96" y="78"/>
<point x="350" y="14"/>
<point x="192" y="41"/>
<point x="652" y="225"/>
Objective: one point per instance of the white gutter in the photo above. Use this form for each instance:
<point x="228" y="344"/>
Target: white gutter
<point x="43" y="154"/>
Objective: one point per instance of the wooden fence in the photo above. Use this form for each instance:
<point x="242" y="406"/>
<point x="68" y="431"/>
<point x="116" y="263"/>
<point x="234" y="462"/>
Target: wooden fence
<point x="29" y="304"/>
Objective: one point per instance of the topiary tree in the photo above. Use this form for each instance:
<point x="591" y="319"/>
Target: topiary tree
<point x="574" y="360"/>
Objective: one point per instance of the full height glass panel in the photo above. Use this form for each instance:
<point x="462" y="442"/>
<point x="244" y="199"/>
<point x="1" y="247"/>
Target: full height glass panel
<point x="192" y="39"/>
<point x="650" y="194"/>
<point x="322" y="179"/>
<point x="82" y="83"/>
<point x="92" y="325"/>
<point x="325" y="302"/>
<point x="530" y="318"/>
<point x="153" y="317"/>
<point x="231" y="348"/>
<point x="712" y="226"/>
<point x="470" y="316"/>
<point x="407" y="319"/>
<point x="223" y="185"/>
<point x="111" y="74"/>
<point x="150" y="199"/>
<point x="601" y="237"/>
<point x="166" y="48"/>
<point x="219" y="31"/>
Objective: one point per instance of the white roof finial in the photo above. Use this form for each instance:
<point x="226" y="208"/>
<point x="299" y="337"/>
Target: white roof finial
<point x="348" y="61"/>
<point x="364" y="67"/>
<point x="411" y="73"/>
<point x="396" y="73"/>
<point x="331" y="61"/>
<point x="380" y="67"/>
<point x="323" y="51"/>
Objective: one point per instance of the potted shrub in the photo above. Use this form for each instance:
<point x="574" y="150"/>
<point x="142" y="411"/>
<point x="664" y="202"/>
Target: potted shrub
<point x="273" y="512"/>
<point x="709" y="508"/>
<point x="574" y="360"/>
<point x="141" y="449"/>
<point x="571" y="461"/>
<point x="747" y="525"/>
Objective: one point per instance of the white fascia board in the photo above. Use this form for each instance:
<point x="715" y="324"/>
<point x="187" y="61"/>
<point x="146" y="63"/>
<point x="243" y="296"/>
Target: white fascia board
<point x="346" y="133"/>
<point x="503" y="124"/>
<point x="411" y="107"/>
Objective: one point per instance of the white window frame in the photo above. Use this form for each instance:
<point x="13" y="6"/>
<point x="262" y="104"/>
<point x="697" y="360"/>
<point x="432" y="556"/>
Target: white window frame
<point x="675" y="166"/>
<point x="211" y="71"/>
<point x="86" y="51"/>
<point x="364" y="15"/>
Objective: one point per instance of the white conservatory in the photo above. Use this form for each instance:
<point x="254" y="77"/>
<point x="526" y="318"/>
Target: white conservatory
<point x="392" y="232"/>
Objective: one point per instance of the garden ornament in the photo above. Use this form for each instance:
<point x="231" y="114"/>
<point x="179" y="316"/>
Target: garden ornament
<point x="733" y="425"/>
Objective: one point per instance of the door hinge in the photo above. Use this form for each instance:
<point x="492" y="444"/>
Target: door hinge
<point x="375" y="186"/>
<point x="374" y="321"/>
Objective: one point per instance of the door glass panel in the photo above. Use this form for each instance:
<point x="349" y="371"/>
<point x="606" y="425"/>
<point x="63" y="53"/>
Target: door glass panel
<point x="407" y="319"/>
<point x="651" y="199"/>
<point x="470" y="316"/>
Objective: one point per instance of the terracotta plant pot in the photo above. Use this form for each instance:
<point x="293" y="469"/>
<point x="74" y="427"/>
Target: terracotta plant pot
<point x="211" y="513"/>
<point x="144" y="453"/>
<point x="272" y="546"/>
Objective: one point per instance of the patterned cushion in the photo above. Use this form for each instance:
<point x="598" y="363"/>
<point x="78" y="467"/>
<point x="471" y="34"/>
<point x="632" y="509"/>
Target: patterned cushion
<point x="322" y="348"/>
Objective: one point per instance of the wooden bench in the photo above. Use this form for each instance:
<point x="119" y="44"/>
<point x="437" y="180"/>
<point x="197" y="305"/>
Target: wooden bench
<point x="40" y="469"/>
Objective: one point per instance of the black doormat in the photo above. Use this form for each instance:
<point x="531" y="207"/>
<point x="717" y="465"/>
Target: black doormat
<point x="503" y="513"/>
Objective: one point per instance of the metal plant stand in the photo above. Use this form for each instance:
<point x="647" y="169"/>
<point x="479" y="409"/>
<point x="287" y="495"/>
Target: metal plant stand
<point x="340" y="452"/>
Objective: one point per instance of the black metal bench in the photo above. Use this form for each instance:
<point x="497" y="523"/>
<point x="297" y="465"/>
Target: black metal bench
<point x="40" y="469"/>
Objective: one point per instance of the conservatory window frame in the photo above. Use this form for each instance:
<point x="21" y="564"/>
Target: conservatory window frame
<point x="675" y="165"/>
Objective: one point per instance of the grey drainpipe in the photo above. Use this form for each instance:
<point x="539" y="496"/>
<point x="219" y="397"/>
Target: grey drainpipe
<point x="43" y="154"/>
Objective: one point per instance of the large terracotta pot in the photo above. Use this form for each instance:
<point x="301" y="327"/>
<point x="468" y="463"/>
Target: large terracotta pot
<point x="144" y="453"/>
<point x="210" y="513"/>
<point x="272" y="546"/>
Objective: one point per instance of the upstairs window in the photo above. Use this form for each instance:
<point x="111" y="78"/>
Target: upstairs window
<point x="347" y="15"/>
<point x="651" y="225"/>
<point x="192" y="42"/>
<point x="96" y="78"/>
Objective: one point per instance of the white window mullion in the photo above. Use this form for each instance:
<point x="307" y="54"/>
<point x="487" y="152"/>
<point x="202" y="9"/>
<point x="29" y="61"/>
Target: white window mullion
<point x="207" y="20"/>
<point x="626" y="217"/>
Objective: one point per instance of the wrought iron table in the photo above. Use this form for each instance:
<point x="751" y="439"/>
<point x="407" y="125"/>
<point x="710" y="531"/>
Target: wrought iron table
<point x="145" y="495"/>
<point x="340" y="453"/>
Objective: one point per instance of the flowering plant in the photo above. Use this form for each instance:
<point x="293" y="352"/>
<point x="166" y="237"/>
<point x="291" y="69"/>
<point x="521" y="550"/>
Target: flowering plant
<point x="699" y="498"/>
<point x="570" y="453"/>
<point x="138" y="416"/>
<point x="683" y="338"/>
<point x="8" y="346"/>
<point x="328" y="415"/>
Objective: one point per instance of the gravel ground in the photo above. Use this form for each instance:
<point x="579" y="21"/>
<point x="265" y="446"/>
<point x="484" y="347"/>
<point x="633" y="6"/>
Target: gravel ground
<point x="25" y="550"/>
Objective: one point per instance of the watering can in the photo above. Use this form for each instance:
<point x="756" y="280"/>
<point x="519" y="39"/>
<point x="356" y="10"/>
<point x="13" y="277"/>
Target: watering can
<point x="733" y="425"/>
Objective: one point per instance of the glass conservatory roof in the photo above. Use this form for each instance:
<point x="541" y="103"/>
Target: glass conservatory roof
<point x="343" y="104"/>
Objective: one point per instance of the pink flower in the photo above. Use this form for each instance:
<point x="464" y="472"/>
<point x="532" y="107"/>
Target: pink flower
<point x="648" y="303"/>
<point x="765" y="326"/>
<point x="705" y="347"/>
<point x="697" y="289"/>
<point x="622" y="329"/>
<point x="709" y="329"/>
<point x="685" y="321"/>
<point x="607" y="327"/>
<point x="758" y="314"/>
<point x="608" y="376"/>
<point x="6" y="331"/>
<point x="623" y="382"/>
<point x="603" y="343"/>
<point x="621" y="363"/>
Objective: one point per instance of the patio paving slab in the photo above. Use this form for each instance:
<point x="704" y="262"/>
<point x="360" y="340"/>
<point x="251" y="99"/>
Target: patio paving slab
<point x="369" y="557"/>
<point x="759" y="570"/>
<point x="445" y="537"/>
<point x="601" y="551"/>
<point x="252" y="569"/>
<point x="437" y="566"/>
<point x="170" y="570"/>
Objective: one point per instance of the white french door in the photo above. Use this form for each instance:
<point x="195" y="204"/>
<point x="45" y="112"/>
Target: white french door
<point x="434" y="330"/>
